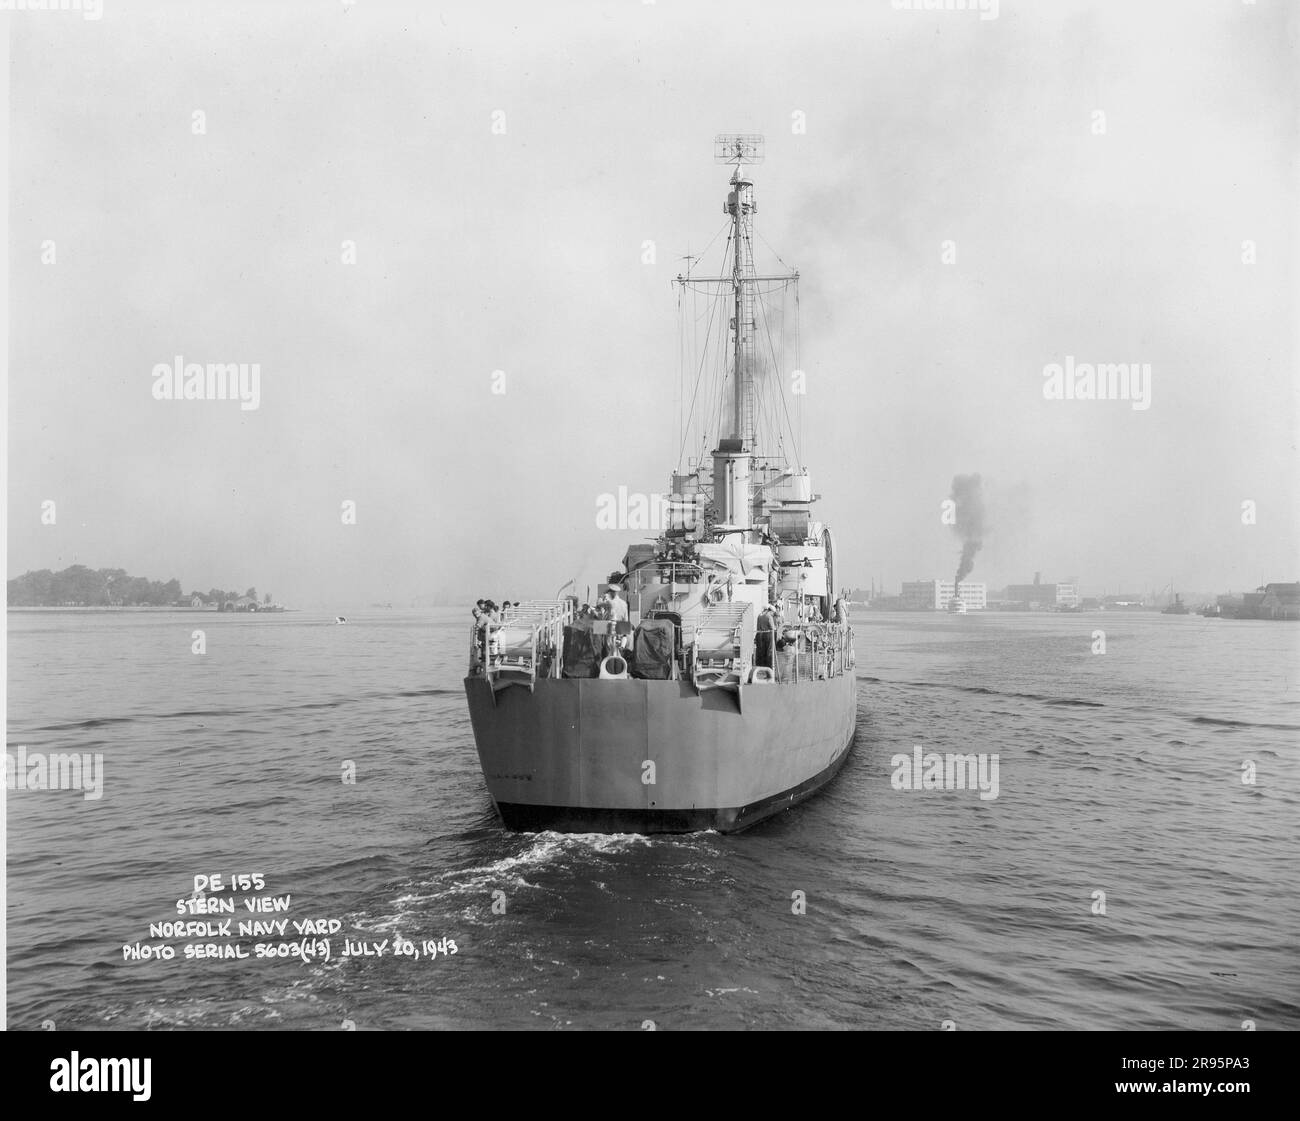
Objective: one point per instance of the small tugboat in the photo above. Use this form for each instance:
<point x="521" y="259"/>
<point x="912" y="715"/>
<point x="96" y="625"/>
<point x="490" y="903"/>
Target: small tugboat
<point x="1178" y="607"/>
<point x="714" y="685"/>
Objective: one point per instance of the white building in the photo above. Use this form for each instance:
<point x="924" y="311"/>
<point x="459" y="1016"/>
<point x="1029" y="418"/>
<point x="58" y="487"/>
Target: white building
<point x="1040" y="596"/>
<point x="933" y="595"/>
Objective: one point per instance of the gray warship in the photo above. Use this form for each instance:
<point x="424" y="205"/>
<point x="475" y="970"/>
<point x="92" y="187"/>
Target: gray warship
<point x="717" y="687"/>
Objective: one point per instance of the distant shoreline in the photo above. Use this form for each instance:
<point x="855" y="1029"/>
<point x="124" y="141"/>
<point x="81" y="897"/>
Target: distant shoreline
<point x="144" y="607"/>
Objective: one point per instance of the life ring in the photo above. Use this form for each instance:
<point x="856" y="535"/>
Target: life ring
<point x="614" y="668"/>
<point x="762" y="675"/>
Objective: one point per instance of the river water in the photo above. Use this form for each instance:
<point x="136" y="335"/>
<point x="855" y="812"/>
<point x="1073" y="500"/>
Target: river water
<point x="1118" y="773"/>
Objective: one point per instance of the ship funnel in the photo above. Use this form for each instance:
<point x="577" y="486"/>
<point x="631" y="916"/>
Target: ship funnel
<point x="731" y="470"/>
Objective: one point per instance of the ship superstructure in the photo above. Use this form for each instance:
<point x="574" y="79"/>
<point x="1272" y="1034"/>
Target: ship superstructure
<point x="714" y="685"/>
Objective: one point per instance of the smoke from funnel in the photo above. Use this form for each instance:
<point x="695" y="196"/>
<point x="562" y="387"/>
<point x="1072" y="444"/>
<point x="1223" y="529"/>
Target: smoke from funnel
<point x="968" y="497"/>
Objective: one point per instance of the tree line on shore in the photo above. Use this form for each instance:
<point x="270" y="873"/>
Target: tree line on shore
<point x="79" y="586"/>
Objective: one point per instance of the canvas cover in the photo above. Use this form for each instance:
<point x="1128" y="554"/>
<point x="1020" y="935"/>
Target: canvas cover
<point x="737" y="555"/>
<point x="580" y="658"/>
<point x="652" y="650"/>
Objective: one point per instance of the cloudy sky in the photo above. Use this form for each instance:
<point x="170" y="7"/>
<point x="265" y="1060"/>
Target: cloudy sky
<point x="198" y="168"/>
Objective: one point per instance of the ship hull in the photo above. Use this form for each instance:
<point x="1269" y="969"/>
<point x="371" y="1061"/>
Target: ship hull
<point x="632" y="756"/>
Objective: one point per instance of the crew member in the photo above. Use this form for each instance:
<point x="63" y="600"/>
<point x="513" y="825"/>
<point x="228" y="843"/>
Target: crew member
<point x="476" y="639"/>
<point x="764" y="636"/>
<point x="482" y="630"/>
<point x="603" y="642"/>
<point x="492" y="622"/>
<point x="617" y="606"/>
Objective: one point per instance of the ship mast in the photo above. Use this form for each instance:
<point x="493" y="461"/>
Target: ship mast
<point x="738" y="284"/>
<point x="739" y="150"/>
<point x="732" y="458"/>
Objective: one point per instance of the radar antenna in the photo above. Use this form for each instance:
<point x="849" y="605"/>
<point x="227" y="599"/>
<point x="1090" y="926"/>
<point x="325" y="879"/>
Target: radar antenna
<point x="738" y="148"/>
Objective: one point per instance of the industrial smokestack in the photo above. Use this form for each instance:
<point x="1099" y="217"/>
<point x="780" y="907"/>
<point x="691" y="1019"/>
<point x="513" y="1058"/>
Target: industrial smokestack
<point x="968" y="498"/>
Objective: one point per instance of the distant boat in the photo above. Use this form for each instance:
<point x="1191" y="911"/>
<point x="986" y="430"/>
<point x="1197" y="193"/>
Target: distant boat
<point x="957" y="606"/>
<point x="1178" y="607"/>
<point x="340" y="619"/>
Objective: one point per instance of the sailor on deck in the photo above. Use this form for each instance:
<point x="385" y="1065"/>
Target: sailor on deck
<point x="617" y="606"/>
<point x="491" y="621"/>
<point x="478" y="643"/>
<point x="618" y="614"/>
<point x="766" y="632"/>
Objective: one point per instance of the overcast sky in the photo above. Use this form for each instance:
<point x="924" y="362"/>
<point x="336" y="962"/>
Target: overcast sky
<point x="522" y="251"/>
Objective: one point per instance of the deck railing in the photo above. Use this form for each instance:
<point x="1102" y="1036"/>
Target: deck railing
<point x="528" y="644"/>
<point x="525" y="644"/>
<point x="815" y="652"/>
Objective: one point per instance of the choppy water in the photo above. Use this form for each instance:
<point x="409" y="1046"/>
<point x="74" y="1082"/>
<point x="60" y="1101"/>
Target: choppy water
<point x="1118" y="773"/>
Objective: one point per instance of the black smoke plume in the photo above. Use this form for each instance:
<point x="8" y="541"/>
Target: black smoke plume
<point x="968" y="497"/>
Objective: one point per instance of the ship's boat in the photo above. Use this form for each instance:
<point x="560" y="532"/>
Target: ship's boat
<point x="720" y="689"/>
